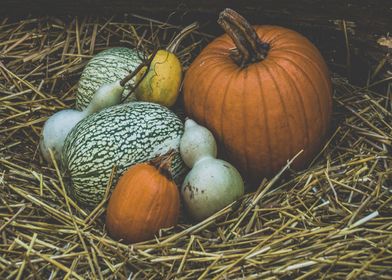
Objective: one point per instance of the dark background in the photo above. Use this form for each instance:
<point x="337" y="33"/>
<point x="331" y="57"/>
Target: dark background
<point x="346" y="32"/>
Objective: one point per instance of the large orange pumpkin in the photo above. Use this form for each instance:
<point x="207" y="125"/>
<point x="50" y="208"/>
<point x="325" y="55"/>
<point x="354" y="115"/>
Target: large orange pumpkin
<point x="264" y="92"/>
<point x="144" y="200"/>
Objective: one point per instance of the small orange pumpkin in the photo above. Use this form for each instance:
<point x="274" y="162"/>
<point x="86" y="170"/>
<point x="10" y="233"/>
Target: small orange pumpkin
<point x="264" y="92"/>
<point x="145" y="200"/>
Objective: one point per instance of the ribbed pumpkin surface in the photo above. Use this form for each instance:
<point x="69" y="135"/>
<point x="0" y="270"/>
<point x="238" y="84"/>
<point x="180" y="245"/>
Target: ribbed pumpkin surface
<point x="143" y="202"/>
<point x="264" y="114"/>
<point x="108" y="66"/>
<point x="118" y="136"/>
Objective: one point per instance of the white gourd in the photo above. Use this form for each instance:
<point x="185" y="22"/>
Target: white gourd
<point x="57" y="127"/>
<point x="212" y="183"/>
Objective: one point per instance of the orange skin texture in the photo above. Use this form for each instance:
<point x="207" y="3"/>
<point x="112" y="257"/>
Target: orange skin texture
<point x="142" y="202"/>
<point x="264" y="114"/>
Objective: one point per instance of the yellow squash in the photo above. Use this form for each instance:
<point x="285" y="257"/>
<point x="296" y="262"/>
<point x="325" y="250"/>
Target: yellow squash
<point x="162" y="82"/>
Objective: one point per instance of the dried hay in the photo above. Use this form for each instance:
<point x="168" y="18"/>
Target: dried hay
<point x="331" y="221"/>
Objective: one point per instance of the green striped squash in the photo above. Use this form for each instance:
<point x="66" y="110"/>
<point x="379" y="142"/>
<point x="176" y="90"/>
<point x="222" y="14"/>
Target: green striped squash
<point x="106" y="67"/>
<point x="120" y="136"/>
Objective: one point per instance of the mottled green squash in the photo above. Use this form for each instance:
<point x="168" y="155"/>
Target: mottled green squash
<point x="119" y="136"/>
<point x="106" y="67"/>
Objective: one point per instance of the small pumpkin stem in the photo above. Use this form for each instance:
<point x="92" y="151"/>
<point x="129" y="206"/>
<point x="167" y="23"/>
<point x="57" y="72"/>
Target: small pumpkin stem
<point x="249" y="48"/>
<point x="173" y="45"/>
<point x="163" y="163"/>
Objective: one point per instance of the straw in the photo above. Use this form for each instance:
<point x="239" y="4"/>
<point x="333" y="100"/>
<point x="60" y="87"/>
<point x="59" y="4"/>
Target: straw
<point x="332" y="220"/>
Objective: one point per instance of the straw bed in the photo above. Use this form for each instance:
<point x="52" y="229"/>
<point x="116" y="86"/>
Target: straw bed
<point x="331" y="221"/>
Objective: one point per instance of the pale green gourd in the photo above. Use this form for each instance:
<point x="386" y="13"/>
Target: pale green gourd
<point x="212" y="183"/>
<point x="58" y="126"/>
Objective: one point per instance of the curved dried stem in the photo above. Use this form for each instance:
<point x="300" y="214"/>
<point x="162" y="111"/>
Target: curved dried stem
<point x="145" y="63"/>
<point x="173" y="45"/>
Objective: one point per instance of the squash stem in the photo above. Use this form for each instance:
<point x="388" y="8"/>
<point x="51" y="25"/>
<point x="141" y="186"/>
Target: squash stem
<point x="146" y="63"/>
<point x="249" y="48"/>
<point x="134" y="73"/>
<point x="173" y="45"/>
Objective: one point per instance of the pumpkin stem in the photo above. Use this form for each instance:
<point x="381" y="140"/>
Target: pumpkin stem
<point x="163" y="163"/>
<point x="173" y="45"/>
<point x="249" y="48"/>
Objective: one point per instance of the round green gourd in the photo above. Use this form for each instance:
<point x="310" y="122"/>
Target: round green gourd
<point x="106" y="67"/>
<point x="122" y="135"/>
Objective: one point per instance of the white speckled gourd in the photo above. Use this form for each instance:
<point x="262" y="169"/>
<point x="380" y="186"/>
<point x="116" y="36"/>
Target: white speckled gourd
<point x="122" y="135"/>
<point x="106" y="67"/>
